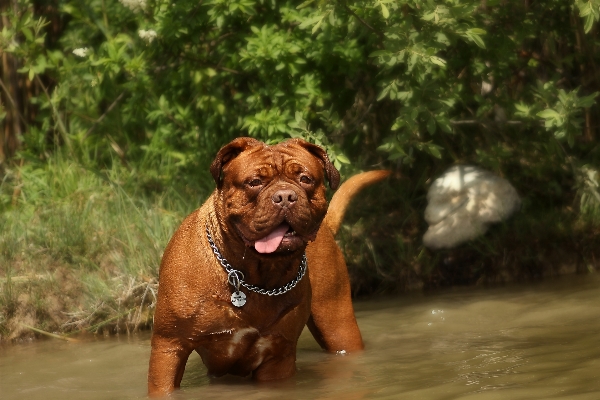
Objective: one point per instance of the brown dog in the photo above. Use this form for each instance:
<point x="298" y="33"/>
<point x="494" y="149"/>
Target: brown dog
<point x="231" y="284"/>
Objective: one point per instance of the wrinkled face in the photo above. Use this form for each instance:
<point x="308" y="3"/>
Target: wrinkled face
<point x="274" y="197"/>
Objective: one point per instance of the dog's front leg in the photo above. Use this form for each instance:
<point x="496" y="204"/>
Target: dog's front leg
<point x="167" y="363"/>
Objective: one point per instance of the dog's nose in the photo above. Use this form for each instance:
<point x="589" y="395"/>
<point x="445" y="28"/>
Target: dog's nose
<point x="284" y="198"/>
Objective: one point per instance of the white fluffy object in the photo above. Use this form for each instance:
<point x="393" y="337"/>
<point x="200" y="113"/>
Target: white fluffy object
<point x="463" y="202"/>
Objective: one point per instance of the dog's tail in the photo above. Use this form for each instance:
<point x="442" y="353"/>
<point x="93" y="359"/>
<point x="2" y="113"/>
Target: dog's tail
<point x="342" y="197"/>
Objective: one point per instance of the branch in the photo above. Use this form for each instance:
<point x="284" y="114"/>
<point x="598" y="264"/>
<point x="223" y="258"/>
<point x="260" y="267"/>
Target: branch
<point x="362" y="21"/>
<point x="109" y="109"/>
<point x="197" y="61"/>
<point x="61" y="125"/>
<point x="14" y="105"/>
<point x="477" y="122"/>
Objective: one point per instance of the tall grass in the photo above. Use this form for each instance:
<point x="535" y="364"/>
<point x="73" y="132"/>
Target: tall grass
<point x="79" y="249"/>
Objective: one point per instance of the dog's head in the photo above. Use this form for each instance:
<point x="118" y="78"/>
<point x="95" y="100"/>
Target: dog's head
<point x="273" y="197"/>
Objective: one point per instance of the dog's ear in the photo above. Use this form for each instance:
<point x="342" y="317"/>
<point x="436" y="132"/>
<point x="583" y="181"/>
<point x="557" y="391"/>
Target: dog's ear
<point x="228" y="153"/>
<point x="332" y="174"/>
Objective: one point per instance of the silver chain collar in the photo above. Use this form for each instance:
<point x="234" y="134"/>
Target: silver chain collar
<point x="236" y="278"/>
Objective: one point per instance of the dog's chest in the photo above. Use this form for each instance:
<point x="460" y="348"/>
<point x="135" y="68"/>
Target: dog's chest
<point x="239" y="340"/>
<point x="240" y="351"/>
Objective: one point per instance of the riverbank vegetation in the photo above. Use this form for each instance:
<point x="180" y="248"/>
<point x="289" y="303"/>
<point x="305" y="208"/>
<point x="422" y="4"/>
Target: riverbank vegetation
<point x="111" y="112"/>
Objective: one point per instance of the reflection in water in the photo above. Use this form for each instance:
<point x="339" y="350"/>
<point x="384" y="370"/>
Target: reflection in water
<point x="538" y="341"/>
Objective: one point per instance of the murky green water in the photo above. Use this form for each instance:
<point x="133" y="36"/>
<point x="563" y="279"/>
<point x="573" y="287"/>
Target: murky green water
<point x="539" y="341"/>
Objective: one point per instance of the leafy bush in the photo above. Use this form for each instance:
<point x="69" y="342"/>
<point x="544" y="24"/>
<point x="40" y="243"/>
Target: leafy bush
<point x="163" y="85"/>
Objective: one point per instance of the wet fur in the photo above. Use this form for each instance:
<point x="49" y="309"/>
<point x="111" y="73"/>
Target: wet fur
<point x="194" y="311"/>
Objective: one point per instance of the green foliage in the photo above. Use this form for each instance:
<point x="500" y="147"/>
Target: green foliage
<point x="590" y="11"/>
<point x="300" y="129"/>
<point x="564" y="119"/>
<point x="163" y="85"/>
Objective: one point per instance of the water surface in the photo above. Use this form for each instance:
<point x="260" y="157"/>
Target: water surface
<point x="536" y="341"/>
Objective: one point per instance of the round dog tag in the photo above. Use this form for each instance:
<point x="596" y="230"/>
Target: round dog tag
<point x="238" y="299"/>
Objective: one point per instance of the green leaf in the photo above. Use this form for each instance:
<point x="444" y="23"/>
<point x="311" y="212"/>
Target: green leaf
<point x="385" y="92"/>
<point x="442" y="38"/>
<point x="477" y="31"/>
<point x="305" y="4"/>
<point x="587" y="101"/>
<point x="404" y="95"/>
<point x="384" y="10"/>
<point x="548" y="114"/>
<point x="310" y="21"/>
<point x="318" y="25"/>
<point x="522" y="108"/>
<point x="438" y="61"/>
<point x="589" y="23"/>
<point x="428" y="16"/>
<point x="474" y="35"/>
<point x="431" y="126"/>
<point x="386" y="147"/>
<point x="478" y="41"/>
<point x="28" y="34"/>
<point x="342" y="158"/>
<point x="379" y="53"/>
<point x="434" y="150"/>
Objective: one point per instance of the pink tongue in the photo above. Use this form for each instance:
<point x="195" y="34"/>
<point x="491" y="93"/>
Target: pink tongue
<point x="271" y="242"/>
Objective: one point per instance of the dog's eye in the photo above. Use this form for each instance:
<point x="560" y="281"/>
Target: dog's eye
<point x="305" y="179"/>
<point x="255" y="182"/>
